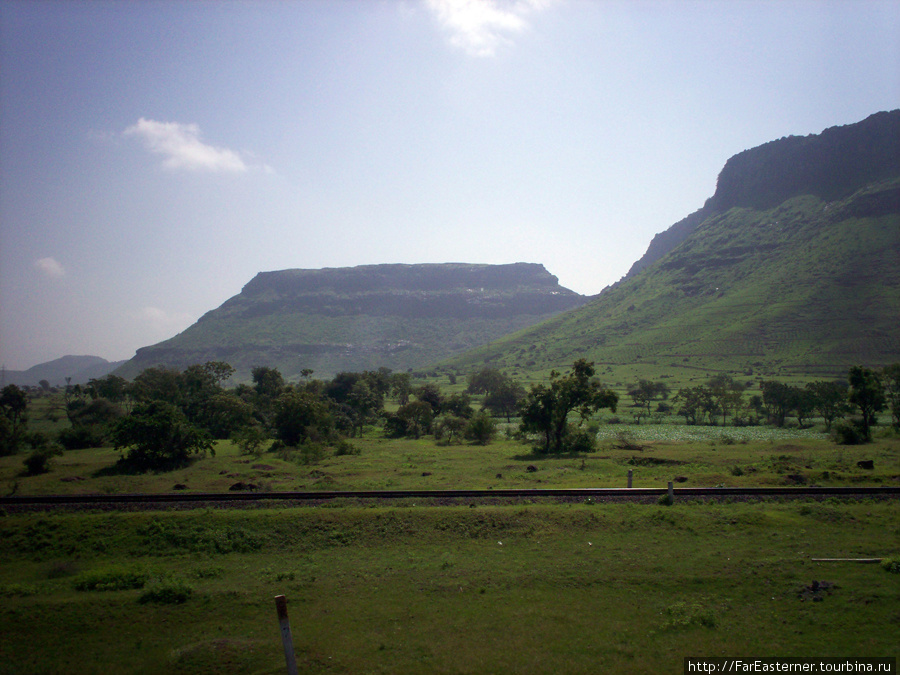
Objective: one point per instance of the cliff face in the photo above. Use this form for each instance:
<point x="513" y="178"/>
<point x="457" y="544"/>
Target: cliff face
<point x="358" y="318"/>
<point x="830" y="166"/>
<point x="410" y="291"/>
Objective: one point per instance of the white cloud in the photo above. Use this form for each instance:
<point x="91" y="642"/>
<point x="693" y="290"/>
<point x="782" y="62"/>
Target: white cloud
<point x="480" y="27"/>
<point x="181" y="147"/>
<point x="50" y="267"/>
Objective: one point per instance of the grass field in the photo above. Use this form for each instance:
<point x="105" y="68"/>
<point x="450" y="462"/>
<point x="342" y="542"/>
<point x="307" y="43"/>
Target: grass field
<point x="515" y="589"/>
<point x="703" y="456"/>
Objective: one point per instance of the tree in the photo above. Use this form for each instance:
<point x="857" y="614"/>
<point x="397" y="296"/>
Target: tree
<point x="867" y="394"/>
<point x="726" y="394"/>
<point x="412" y="419"/>
<point x="430" y="394"/>
<point x="458" y="404"/>
<point x="644" y="393"/>
<point x="401" y="387"/>
<point x="545" y="409"/>
<point x="829" y="400"/>
<point x="696" y="403"/>
<point x="158" y="436"/>
<point x="485" y="380"/>
<point x="780" y="399"/>
<point x="13" y="419"/>
<point x="451" y="426"/>
<point x="505" y="398"/>
<point x="890" y="375"/>
<point x="302" y="416"/>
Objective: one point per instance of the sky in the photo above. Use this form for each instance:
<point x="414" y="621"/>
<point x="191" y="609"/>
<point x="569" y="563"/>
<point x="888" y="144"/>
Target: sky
<point x="156" y="155"/>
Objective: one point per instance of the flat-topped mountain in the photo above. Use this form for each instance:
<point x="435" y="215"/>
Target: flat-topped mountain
<point x="793" y="266"/>
<point x="357" y="318"/>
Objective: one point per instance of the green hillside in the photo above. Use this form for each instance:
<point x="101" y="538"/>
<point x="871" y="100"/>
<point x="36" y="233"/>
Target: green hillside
<point x="808" y="286"/>
<point x="363" y="318"/>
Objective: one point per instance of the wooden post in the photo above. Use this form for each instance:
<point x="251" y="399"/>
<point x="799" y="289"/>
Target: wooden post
<point x="630" y="475"/>
<point x="671" y="493"/>
<point x="286" y="640"/>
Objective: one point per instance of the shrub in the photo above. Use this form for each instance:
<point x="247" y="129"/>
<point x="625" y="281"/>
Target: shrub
<point x="579" y="440"/>
<point x="344" y="447"/>
<point x="250" y="439"/>
<point x="38" y="461"/>
<point x="167" y="594"/>
<point x="891" y="565"/>
<point x="112" y="579"/>
<point x="481" y="429"/>
<point x="852" y="433"/>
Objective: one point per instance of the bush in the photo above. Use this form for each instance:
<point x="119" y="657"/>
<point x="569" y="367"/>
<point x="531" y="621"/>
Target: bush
<point x="852" y="433"/>
<point x="891" y="565"/>
<point x="344" y="447"/>
<point x="579" y="440"/>
<point x="112" y="579"/>
<point x="481" y="429"/>
<point x="158" y="436"/>
<point x="250" y="439"/>
<point x="79" y="438"/>
<point x="167" y="594"/>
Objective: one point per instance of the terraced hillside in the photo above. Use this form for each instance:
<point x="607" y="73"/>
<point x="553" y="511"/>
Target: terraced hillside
<point x="762" y="281"/>
<point x="359" y="318"/>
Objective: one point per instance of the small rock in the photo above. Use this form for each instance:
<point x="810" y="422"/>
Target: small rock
<point x="179" y="486"/>
<point x="531" y="468"/>
<point x="866" y="464"/>
<point x="499" y="475"/>
<point x="680" y="479"/>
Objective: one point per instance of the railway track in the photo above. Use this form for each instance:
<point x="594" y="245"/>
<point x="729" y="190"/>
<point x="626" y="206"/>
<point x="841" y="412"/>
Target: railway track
<point x="568" y="494"/>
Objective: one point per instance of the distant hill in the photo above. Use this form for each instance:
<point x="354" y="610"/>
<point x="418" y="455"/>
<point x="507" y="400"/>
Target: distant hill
<point x="793" y="266"/>
<point x="79" y="368"/>
<point x="358" y="318"/>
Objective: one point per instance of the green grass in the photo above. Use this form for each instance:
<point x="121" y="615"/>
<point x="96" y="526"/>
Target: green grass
<point x="526" y="589"/>
<point x="704" y="456"/>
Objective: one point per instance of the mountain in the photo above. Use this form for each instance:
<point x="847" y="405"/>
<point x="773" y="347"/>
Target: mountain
<point x="79" y="368"/>
<point x="358" y="318"/>
<point x="792" y="267"/>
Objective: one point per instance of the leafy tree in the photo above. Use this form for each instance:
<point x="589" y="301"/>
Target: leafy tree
<point x="644" y="393"/>
<point x="695" y="403"/>
<point x="829" y="400"/>
<point x="111" y="387"/>
<point x="158" y="436"/>
<point x="451" y="426"/>
<point x="545" y="409"/>
<point x="867" y="394"/>
<point x="890" y="375"/>
<point x="430" y="394"/>
<point x="13" y="419"/>
<point x="302" y="416"/>
<point x="458" y="404"/>
<point x="504" y="400"/>
<point x="481" y="429"/>
<point x="91" y="424"/>
<point x="726" y="394"/>
<point x="485" y="380"/>
<point x="401" y="387"/>
<point x="158" y="384"/>
<point x="413" y="419"/>
<point x="780" y="399"/>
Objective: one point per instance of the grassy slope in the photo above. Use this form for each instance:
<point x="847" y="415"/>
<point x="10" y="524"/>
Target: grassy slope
<point x="531" y="589"/>
<point x="790" y="290"/>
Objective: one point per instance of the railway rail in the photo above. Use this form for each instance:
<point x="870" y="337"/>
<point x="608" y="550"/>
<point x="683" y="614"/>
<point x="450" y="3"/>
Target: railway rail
<point x="599" y="494"/>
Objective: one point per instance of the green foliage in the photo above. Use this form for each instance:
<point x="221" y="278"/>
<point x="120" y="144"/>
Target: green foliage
<point x="867" y="394"/>
<point x="891" y="565"/>
<point x="250" y="439"/>
<point x="38" y="461"/>
<point x="301" y="416"/>
<point x="13" y="419"/>
<point x="849" y="433"/>
<point x="114" y="578"/>
<point x="481" y="429"/>
<point x="545" y="409"/>
<point x="158" y="436"/>
<point x="167" y="594"/>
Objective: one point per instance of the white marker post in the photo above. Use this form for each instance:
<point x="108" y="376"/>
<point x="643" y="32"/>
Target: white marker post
<point x="286" y="639"/>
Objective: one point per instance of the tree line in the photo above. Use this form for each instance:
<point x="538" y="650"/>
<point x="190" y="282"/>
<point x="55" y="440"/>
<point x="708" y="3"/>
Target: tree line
<point x="166" y="417"/>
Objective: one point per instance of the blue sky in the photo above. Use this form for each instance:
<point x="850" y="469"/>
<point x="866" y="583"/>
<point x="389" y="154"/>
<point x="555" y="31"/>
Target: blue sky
<point x="156" y="155"/>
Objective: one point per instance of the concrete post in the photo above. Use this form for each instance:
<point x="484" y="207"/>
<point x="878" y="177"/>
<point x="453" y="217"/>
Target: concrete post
<point x="671" y="492"/>
<point x="630" y="475"/>
<point x="286" y="640"/>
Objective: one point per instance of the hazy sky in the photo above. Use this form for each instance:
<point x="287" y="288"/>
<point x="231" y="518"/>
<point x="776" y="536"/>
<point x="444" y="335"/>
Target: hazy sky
<point x="156" y="155"/>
